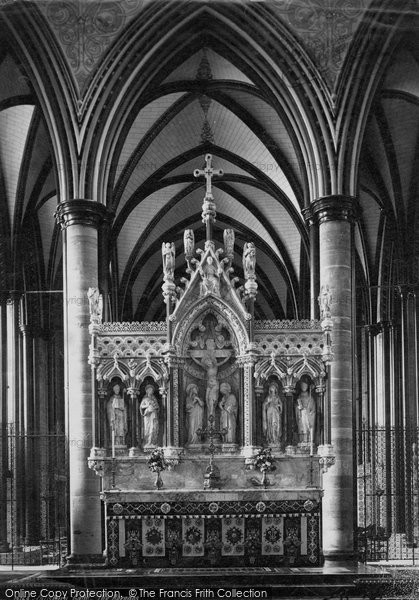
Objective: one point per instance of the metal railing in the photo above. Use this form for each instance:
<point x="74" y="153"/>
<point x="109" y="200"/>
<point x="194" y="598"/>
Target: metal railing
<point x="36" y="509"/>
<point x="388" y="500"/>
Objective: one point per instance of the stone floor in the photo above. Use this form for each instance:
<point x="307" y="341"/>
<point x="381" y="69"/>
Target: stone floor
<point x="340" y="581"/>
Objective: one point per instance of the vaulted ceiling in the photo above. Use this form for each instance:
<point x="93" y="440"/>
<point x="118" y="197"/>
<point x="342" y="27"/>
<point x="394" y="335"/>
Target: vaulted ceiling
<point x="206" y="97"/>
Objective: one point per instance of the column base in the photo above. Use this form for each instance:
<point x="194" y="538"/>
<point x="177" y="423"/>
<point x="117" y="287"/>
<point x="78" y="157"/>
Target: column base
<point x="336" y="559"/>
<point x="134" y="451"/>
<point x="74" y="561"/>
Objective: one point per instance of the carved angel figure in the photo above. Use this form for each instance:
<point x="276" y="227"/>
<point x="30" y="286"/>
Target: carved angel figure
<point x="249" y="260"/>
<point x="168" y="255"/>
<point x="95" y="305"/>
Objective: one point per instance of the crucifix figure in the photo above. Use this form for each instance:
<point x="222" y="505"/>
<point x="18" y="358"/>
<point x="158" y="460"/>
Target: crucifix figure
<point x="210" y="359"/>
<point x="208" y="173"/>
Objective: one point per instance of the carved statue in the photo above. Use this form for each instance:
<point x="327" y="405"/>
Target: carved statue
<point x="325" y="300"/>
<point x="305" y="412"/>
<point x="149" y="410"/>
<point x="188" y="243"/>
<point x="272" y="409"/>
<point x="168" y="255"/>
<point x="95" y="305"/>
<point x="210" y="277"/>
<point x="117" y="415"/>
<point x="249" y="260"/>
<point x="229" y="407"/>
<point x="194" y="407"/>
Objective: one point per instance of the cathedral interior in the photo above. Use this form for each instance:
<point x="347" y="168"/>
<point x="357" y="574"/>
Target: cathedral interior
<point x="209" y="270"/>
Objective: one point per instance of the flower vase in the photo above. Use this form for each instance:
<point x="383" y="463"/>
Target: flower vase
<point x="158" y="483"/>
<point x="264" y="481"/>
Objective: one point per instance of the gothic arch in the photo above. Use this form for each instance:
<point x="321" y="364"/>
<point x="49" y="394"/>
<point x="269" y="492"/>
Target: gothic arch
<point x="296" y="88"/>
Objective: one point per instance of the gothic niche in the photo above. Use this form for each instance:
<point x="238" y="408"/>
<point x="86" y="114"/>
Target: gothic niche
<point x="273" y="415"/>
<point x="150" y="416"/>
<point x="116" y="416"/>
<point x="305" y="412"/>
<point x="211" y="384"/>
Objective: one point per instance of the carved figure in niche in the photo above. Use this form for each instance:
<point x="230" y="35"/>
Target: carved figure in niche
<point x="272" y="409"/>
<point x="249" y="260"/>
<point x="305" y="411"/>
<point x="194" y="406"/>
<point x="117" y="415"/>
<point x="168" y="254"/>
<point x="229" y="408"/>
<point x="210" y="277"/>
<point x="149" y="410"/>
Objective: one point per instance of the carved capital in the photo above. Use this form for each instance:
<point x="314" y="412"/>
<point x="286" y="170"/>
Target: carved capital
<point x="172" y="456"/>
<point x="96" y="460"/>
<point x="80" y="212"/>
<point x="327" y="458"/>
<point x="335" y="208"/>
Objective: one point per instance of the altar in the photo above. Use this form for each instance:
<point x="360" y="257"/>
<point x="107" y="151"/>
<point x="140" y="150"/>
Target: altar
<point x="211" y="428"/>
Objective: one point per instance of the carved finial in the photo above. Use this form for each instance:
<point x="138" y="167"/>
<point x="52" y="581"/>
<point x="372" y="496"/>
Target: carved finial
<point x="168" y="254"/>
<point x="208" y="173"/>
<point x="208" y="206"/>
<point x="169" y="288"/>
<point x="188" y="243"/>
<point x="95" y="305"/>
<point x="249" y="268"/>
<point x="229" y="244"/>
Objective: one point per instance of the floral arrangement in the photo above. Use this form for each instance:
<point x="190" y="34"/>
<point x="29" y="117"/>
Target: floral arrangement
<point x="156" y="461"/>
<point x="264" y="461"/>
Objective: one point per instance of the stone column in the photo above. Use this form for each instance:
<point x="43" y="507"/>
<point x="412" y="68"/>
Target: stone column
<point x="4" y="545"/>
<point x="30" y="432"/>
<point x="80" y="220"/>
<point x="314" y="262"/>
<point x="335" y="215"/>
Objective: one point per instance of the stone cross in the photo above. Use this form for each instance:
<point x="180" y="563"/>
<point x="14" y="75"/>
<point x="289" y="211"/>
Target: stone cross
<point x="208" y="173"/>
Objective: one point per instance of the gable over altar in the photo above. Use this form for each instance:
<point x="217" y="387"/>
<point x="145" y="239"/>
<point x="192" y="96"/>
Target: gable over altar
<point x="205" y="391"/>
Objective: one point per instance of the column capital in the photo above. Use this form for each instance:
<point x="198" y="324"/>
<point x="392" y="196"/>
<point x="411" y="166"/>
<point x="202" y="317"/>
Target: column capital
<point x="80" y="212"/>
<point x="333" y="208"/>
<point x="308" y="215"/>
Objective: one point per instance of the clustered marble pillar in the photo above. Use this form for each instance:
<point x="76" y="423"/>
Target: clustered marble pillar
<point x="80" y="221"/>
<point x="335" y="216"/>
